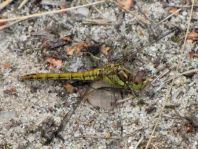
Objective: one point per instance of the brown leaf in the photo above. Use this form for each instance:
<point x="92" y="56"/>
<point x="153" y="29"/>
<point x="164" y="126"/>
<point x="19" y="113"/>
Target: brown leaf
<point x="105" y="50"/>
<point x="77" y="48"/>
<point x="10" y="91"/>
<point x="173" y="10"/>
<point x="126" y="4"/>
<point x="7" y="66"/>
<point x="46" y="45"/>
<point x="188" y="128"/>
<point x="54" y="63"/>
<point x="193" y="36"/>
<point x="139" y="77"/>
<point x="67" y="38"/>
<point x="3" y="23"/>
<point x="192" y="55"/>
<point x="69" y="88"/>
<point x="63" y="7"/>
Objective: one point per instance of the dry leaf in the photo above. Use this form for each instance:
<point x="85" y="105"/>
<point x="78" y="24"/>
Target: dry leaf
<point x="3" y="23"/>
<point x="126" y="4"/>
<point x="69" y="88"/>
<point x="10" y="91"/>
<point x="7" y="66"/>
<point x="105" y="50"/>
<point x="54" y="63"/>
<point x="62" y="7"/>
<point x="188" y="128"/>
<point x="139" y="77"/>
<point x="77" y="48"/>
<point x="51" y="44"/>
<point x="192" y="36"/>
<point x="46" y="45"/>
<point x="192" y="55"/>
<point x="174" y="10"/>
<point x="67" y="38"/>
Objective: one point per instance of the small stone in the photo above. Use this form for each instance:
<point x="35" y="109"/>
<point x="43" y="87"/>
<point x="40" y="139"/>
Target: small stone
<point x="184" y="13"/>
<point x="180" y="81"/>
<point x="7" y="115"/>
<point x="83" y="11"/>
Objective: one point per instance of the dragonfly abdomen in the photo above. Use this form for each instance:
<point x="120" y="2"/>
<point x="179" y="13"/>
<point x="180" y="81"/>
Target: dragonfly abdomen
<point x="85" y="75"/>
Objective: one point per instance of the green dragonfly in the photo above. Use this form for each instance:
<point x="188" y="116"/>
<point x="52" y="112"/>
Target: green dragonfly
<point x="114" y="74"/>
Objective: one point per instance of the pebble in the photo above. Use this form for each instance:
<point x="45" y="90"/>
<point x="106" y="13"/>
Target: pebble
<point x="180" y="81"/>
<point x="7" y="115"/>
<point x="83" y="11"/>
<point x="184" y="13"/>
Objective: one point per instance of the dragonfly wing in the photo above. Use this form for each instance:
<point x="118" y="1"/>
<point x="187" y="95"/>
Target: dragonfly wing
<point x="103" y="98"/>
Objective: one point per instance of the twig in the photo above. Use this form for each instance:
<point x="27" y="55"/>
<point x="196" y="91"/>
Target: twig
<point x="97" y="137"/>
<point x="96" y="9"/>
<point x="97" y="22"/>
<point x="179" y="6"/>
<point x="184" y="73"/>
<point x="181" y="74"/>
<point x="141" y="139"/>
<point x="22" y="4"/>
<point x="5" y="3"/>
<point x="170" y="16"/>
<point x="143" y="19"/>
<point x="170" y="87"/>
<point x="9" y="24"/>
<point x="50" y="12"/>
<point x="105" y="21"/>
<point x="160" y="76"/>
<point x="124" y="100"/>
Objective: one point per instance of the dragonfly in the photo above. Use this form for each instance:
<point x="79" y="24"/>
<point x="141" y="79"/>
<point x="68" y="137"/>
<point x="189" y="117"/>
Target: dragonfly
<point x="115" y="75"/>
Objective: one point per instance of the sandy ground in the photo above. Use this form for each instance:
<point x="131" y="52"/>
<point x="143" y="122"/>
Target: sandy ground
<point x="31" y="113"/>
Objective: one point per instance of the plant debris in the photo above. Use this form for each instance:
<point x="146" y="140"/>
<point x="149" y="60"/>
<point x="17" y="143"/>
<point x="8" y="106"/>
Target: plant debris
<point x="173" y="10"/>
<point x="192" y="36"/>
<point x="105" y="50"/>
<point x="126" y="4"/>
<point x="69" y="88"/>
<point x="54" y="63"/>
<point x="77" y="48"/>
<point x="193" y="54"/>
<point x="11" y="91"/>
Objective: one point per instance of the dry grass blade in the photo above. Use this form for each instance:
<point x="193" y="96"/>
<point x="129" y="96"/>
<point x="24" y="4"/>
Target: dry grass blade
<point x="10" y="24"/>
<point x="139" y="17"/>
<point x="139" y="142"/>
<point x="96" y="9"/>
<point x="22" y="4"/>
<point x="5" y="3"/>
<point x="170" y="87"/>
<point x="172" y="14"/>
<point x="97" y="21"/>
<point x="50" y="12"/>
<point x="184" y="73"/>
